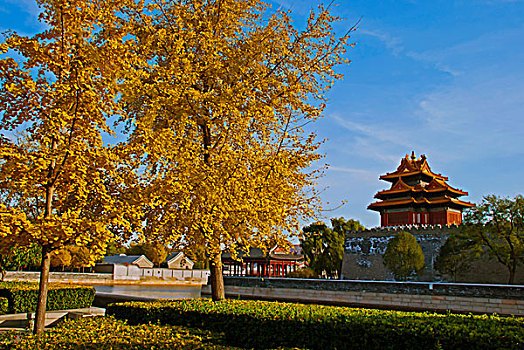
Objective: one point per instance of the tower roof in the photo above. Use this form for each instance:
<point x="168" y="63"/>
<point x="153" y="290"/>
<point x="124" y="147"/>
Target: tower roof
<point x="411" y="165"/>
<point x="435" y="186"/>
<point x="402" y="202"/>
<point x="414" y="184"/>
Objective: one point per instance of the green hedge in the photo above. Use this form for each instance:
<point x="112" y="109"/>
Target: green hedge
<point x="4" y="306"/>
<point x="107" y="333"/>
<point x="23" y="296"/>
<point x="260" y="324"/>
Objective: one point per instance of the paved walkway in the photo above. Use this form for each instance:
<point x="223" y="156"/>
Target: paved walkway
<point x="25" y="320"/>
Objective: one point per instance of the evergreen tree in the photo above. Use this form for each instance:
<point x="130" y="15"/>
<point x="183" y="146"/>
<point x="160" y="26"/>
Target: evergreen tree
<point x="403" y="256"/>
<point x="15" y="257"/>
<point x="455" y="256"/>
<point x="341" y="225"/>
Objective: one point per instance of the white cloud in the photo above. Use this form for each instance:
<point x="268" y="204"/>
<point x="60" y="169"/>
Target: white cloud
<point x="433" y="59"/>
<point x="362" y="174"/>
<point x="476" y="113"/>
<point x="477" y="117"/>
<point x="375" y="140"/>
<point x="301" y="7"/>
<point x="374" y="131"/>
<point x="393" y="43"/>
<point x="28" y="6"/>
<point x="470" y="118"/>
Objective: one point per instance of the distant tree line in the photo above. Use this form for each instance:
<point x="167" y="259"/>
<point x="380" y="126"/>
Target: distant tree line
<point x="75" y="258"/>
<point x="14" y="257"/>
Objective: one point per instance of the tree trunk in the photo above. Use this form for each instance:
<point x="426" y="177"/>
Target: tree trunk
<point x="215" y="263"/>
<point x="42" y="292"/>
<point x="217" y="279"/>
<point x="511" y="275"/>
<point x="46" y="250"/>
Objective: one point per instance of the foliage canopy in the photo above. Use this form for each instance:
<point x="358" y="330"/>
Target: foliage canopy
<point x="216" y="111"/>
<point x="496" y="227"/>
<point x="60" y="87"/>
<point x="324" y="247"/>
<point x="215" y="97"/>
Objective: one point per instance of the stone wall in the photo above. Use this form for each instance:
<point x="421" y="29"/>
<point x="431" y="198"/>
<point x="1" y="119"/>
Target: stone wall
<point x="60" y="277"/>
<point x="363" y="257"/>
<point x="416" y="296"/>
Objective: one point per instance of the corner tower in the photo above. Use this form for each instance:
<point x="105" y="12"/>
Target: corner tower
<point x="418" y="196"/>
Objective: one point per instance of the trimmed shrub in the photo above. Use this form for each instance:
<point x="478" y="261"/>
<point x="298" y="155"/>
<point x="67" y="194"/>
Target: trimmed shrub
<point x="4" y="306"/>
<point x="107" y="333"/>
<point x="23" y="296"/>
<point x="260" y="324"/>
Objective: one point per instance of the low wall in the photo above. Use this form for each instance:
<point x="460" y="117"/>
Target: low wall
<point x="61" y="277"/>
<point x="417" y="296"/>
<point x="136" y="273"/>
<point x="182" y="275"/>
<point x="141" y="275"/>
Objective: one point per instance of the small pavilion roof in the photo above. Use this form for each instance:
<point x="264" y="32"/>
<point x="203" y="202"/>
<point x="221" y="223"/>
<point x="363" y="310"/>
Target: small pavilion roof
<point x="175" y="255"/>
<point x="257" y="253"/>
<point x="286" y="256"/>
<point x="251" y="253"/>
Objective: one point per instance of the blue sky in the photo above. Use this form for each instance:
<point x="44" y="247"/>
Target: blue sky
<point x="442" y="78"/>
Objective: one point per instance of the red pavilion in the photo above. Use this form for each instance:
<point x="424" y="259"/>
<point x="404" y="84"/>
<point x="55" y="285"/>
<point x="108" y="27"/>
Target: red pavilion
<point x="418" y="196"/>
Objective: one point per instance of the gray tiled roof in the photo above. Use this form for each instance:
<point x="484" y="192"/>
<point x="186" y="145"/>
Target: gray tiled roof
<point x="253" y="254"/>
<point x="171" y="256"/>
<point x="121" y="259"/>
<point x="257" y="253"/>
<point x="286" y="256"/>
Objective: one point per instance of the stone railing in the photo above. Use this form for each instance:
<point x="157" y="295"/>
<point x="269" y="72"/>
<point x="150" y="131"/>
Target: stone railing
<point x="462" y="298"/>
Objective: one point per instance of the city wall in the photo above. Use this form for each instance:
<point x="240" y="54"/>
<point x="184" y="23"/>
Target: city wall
<point x="364" y="249"/>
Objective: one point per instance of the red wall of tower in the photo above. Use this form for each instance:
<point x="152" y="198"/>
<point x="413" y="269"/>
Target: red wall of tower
<point x="443" y="217"/>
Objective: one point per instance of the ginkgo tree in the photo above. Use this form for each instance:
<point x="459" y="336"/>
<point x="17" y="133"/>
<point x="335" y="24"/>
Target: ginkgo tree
<point x="217" y="111"/>
<point x="57" y="93"/>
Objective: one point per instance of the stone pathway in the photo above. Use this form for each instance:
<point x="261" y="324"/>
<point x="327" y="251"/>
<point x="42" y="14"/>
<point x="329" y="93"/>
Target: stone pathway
<point x="25" y="321"/>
